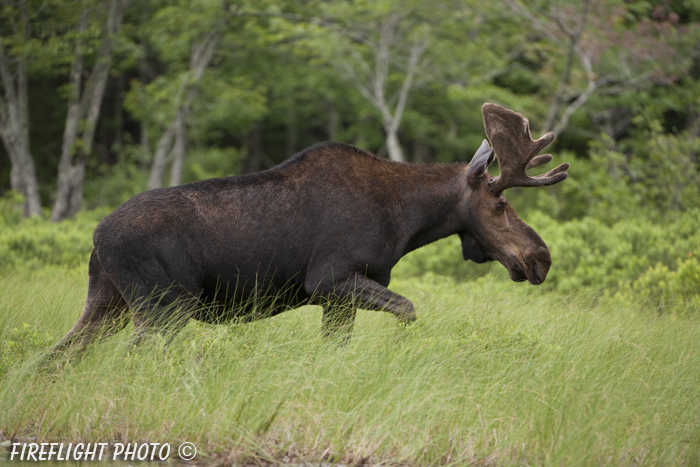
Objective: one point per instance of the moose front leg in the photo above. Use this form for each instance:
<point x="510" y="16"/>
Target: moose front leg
<point x="359" y="291"/>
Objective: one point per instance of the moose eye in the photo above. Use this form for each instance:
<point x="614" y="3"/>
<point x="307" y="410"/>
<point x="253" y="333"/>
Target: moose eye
<point x="500" y="206"/>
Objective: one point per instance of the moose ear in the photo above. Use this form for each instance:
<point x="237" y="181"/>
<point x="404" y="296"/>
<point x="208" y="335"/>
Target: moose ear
<point x="480" y="162"/>
<point x="471" y="250"/>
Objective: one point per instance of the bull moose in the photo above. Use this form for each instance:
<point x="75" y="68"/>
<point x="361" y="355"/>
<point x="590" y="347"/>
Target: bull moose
<point x="326" y="227"/>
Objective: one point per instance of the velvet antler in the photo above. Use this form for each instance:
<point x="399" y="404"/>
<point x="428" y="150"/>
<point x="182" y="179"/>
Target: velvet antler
<point x="509" y="133"/>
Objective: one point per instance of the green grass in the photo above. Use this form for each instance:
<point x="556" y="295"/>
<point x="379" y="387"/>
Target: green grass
<point x="492" y="373"/>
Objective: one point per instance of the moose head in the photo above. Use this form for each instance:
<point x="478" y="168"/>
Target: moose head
<point x="495" y="231"/>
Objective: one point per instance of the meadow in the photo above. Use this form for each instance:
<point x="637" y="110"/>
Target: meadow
<point x="492" y="373"/>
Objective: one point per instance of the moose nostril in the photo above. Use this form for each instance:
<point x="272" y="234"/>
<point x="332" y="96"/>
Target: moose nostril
<point x="538" y="274"/>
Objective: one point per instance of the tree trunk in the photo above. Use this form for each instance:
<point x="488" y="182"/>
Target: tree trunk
<point x="83" y="113"/>
<point x="14" y="125"/>
<point x="393" y="146"/>
<point x="160" y="157"/>
<point x="22" y="174"/>
<point x="179" y="149"/>
<point x="373" y="83"/>
<point x="202" y="54"/>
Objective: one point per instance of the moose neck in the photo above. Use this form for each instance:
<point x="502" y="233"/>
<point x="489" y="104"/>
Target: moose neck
<point x="429" y="198"/>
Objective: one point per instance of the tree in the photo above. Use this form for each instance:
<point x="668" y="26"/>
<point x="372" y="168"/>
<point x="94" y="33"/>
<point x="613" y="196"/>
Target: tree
<point x="172" y="141"/>
<point x="84" y="103"/>
<point x="14" y="108"/>
<point x="379" y="50"/>
<point x="204" y="87"/>
<point x="614" y="54"/>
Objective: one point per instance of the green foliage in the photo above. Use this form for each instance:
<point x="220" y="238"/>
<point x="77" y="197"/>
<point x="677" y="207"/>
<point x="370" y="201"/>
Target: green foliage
<point x="442" y="257"/>
<point x="19" y="343"/>
<point x="110" y="186"/>
<point x="36" y="243"/>
<point x="587" y="254"/>
<point x="113" y="185"/>
<point x="211" y="163"/>
<point x="658" y="178"/>
<point x="668" y="289"/>
<point x="11" y="208"/>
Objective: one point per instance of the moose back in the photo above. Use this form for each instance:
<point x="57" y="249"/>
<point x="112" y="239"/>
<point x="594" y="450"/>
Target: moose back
<point x="325" y="227"/>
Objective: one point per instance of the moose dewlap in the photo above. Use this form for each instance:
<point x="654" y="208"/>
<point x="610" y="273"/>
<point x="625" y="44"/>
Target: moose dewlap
<point x="325" y="227"/>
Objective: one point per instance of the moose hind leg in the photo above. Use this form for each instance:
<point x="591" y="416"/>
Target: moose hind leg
<point x="162" y="313"/>
<point x="104" y="313"/>
<point x="147" y="329"/>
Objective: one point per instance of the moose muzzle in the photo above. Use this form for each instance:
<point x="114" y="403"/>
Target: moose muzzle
<point x="532" y="267"/>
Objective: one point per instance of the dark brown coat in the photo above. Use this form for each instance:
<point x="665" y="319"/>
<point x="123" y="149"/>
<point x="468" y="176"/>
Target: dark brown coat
<point x="326" y="227"/>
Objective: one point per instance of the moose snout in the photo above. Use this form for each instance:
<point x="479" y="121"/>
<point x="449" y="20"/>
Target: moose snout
<point x="541" y="261"/>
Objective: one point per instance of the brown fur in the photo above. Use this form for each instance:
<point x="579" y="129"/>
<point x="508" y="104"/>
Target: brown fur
<point x="326" y="227"/>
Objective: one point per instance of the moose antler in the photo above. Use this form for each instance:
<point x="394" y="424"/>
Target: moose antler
<point x="509" y="133"/>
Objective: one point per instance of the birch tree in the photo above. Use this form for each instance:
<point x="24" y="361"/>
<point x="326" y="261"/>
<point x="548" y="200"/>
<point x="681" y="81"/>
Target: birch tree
<point x="600" y="53"/>
<point x="84" y="103"/>
<point x="14" y="105"/>
<point x="381" y="56"/>
<point x="244" y="29"/>
<point x="171" y="144"/>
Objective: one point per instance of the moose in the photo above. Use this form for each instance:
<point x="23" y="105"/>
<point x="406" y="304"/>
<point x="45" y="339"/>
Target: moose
<point x="326" y="227"/>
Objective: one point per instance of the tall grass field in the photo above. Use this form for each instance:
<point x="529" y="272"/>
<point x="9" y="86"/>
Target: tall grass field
<point x="492" y="373"/>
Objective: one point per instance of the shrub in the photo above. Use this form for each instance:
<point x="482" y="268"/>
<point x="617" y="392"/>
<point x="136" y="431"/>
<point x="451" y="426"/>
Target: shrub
<point x="19" y="343"/>
<point x="11" y="208"/>
<point x="211" y="162"/>
<point x="442" y="257"/>
<point x="666" y="289"/>
<point x="113" y="185"/>
<point x="586" y="253"/>
<point x="35" y="242"/>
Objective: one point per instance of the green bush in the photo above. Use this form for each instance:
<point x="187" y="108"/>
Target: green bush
<point x="586" y="253"/>
<point x="668" y="289"/>
<point x="207" y="163"/>
<point x="18" y="343"/>
<point x="36" y="242"/>
<point x="442" y="257"/>
<point x="113" y="185"/>
<point x="11" y="208"/>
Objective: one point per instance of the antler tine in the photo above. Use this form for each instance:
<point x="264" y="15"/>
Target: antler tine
<point x="516" y="151"/>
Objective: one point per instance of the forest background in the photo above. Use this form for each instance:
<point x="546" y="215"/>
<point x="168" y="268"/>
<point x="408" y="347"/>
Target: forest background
<point x="100" y="100"/>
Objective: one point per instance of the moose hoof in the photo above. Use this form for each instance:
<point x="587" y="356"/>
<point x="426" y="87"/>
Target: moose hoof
<point x="407" y="314"/>
<point x="408" y="318"/>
